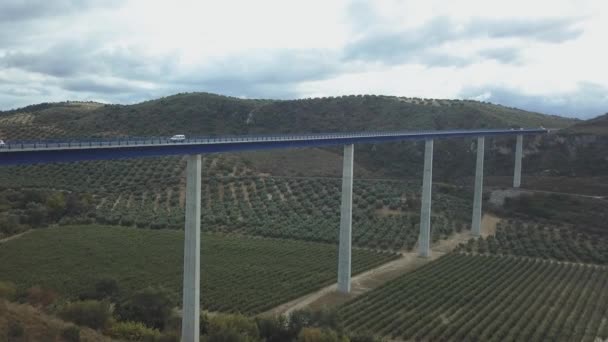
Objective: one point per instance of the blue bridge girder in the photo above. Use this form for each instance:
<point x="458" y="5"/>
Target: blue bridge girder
<point x="54" y="151"/>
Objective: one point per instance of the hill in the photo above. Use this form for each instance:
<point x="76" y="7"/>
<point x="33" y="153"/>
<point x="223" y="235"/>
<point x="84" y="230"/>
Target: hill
<point x="210" y="114"/>
<point x="595" y="126"/>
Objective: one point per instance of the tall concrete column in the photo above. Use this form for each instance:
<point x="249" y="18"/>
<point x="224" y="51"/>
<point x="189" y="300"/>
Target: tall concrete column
<point x="518" y="155"/>
<point x="478" y="194"/>
<point x="192" y="252"/>
<point x="346" y="221"/>
<point x="425" y="211"/>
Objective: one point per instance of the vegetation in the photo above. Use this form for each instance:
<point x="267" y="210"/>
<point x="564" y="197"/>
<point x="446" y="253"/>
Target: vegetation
<point x="487" y="298"/>
<point x="91" y="313"/>
<point x="558" y="209"/>
<point x="140" y="193"/>
<point x="564" y="242"/>
<point x="208" y="114"/>
<point x="238" y="274"/>
<point x="23" y="323"/>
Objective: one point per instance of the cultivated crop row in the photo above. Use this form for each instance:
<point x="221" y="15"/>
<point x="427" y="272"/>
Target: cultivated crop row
<point x="238" y="274"/>
<point x="546" y="241"/>
<point x="487" y="298"/>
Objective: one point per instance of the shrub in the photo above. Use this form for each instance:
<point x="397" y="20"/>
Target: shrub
<point x="319" y="335"/>
<point x="106" y="288"/>
<point x="38" y="296"/>
<point x="151" y="306"/>
<point x="273" y="329"/>
<point x="133" y="331"/>
<point x="91" y="313"/>
<point x="15" y="331"/>
<point x="232" y="328"/>
<point x="71" y="334"/>
<point x="7" y="290"/>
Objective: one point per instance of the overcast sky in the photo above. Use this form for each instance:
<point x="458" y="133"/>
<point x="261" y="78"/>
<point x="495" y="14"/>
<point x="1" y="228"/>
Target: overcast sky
<point x="548" y="56"/>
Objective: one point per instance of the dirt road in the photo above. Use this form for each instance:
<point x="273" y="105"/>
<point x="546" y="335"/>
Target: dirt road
<point x="369" y="280"/>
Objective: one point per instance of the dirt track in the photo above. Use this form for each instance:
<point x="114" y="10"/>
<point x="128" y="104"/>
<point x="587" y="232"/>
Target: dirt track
<point x="369" y="280"/>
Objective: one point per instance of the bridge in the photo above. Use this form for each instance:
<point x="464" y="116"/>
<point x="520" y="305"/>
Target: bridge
<point x="55" y="151"/>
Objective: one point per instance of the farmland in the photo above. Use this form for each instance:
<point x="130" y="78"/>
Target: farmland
<point x="148" y="193"/>
<point x="487" y="298"/>
<point x="238" y="274"/>
<point x="548" y="241"/>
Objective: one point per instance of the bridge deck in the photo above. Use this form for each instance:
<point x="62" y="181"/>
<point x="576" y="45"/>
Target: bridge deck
<point x="31" y="152"/>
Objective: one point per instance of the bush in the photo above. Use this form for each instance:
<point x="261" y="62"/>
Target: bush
<point x="15" y="331"/>
<point x="41" y="297"/>
<point x="7" y="290"/>
<point x="151" y="306"/>
<point x="91" y="313"/>
<point x="71" y="334"/>
<point x="106" y="288"/>
<point x="274" y="329"/>
<point x="319" y="335"/>
<point x="133" y="331"/>
<point x="235" y="328"/>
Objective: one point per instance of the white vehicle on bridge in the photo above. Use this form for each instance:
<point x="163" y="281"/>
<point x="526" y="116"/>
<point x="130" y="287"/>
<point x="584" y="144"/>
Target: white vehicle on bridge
<point x="1" y="143"/>
<point x="177" y="137"/>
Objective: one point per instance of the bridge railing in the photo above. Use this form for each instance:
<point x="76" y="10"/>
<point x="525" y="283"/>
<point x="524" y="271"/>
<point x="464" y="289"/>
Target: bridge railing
<point x="132" y="141"/>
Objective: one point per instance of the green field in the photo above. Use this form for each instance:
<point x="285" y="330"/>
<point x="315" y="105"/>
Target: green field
<point x="148" y="193"/>
<point x="546" y="241"/>
<point x="248" y="275"/>
<point x="487" y="298"/>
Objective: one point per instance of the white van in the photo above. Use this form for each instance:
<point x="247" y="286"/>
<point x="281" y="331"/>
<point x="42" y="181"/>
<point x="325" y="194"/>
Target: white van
<point x="1" y="143"/>
<point x="178" y="137"/>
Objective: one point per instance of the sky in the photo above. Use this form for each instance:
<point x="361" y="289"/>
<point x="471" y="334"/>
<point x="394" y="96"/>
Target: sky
<point x="548" y="56"/>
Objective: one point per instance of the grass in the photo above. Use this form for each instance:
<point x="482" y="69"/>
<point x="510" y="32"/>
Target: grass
<point x="237" y="274"/>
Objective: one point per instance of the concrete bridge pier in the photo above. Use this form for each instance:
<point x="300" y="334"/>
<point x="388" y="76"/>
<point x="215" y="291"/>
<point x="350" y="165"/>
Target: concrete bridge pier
<point x="424" y="241"/>
<point x="346" y="220"/>
<point x="478" y="192"/>
<point x="192" y="252"/>
<point x="518" y="156"/>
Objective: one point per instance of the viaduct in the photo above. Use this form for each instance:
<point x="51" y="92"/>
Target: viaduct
<point x="30" y="152"/>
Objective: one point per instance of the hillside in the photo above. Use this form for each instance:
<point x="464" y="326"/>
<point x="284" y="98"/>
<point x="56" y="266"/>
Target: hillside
<point x="595" y="126"/>
<point x="209" y="114"/>
<point x="23" y="322"/>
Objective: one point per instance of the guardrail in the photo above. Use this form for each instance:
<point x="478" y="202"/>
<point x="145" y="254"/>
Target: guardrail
<point x="161" y="141"/>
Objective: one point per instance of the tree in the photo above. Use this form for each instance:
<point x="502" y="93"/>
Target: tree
<point x="36" y="214"/>
<point x="319" y="335"/>
<point x="231" y="328"/>
<point x="151" y="306"/>
<point x="56" y="205"/>
<point x="91" y="313"/>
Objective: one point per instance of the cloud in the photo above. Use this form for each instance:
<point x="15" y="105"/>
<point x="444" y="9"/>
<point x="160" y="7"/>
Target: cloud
<point x="266" y="66"/>
<point x="97" y="85"/>
<point x="505" y="55"/>
<point x="586" y="101"/>
<point x="20" y="10"/>
<point x="132" y="50"/>
<point x="73" y="58"/>
<point x="420" y="44"/>
<point x="549" y="30"/>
